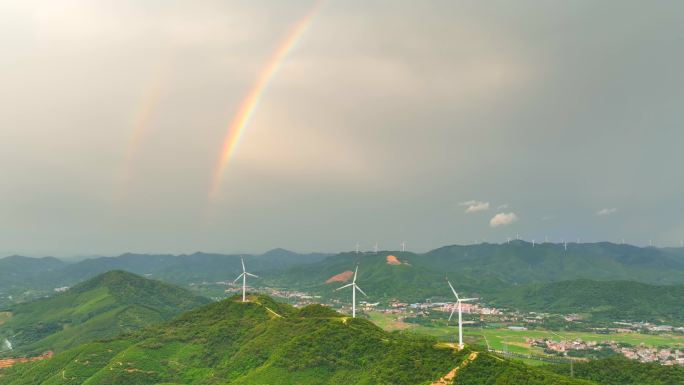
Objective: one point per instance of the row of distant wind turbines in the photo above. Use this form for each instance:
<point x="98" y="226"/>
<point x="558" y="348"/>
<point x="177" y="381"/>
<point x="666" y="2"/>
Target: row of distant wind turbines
<point x="355" y="287"/>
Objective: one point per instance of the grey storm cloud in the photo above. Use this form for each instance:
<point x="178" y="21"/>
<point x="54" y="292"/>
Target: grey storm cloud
<point x="383" y="117"/>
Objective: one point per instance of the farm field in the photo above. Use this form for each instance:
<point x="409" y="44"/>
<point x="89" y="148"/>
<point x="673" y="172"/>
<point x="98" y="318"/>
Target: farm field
<point x="515" y="341"/>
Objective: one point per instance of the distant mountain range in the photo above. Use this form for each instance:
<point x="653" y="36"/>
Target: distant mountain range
<point x="105" y="306"/>
<point x="605" y="281"/>
<point x="25" y="278"/>
<point x="515" y="275"/>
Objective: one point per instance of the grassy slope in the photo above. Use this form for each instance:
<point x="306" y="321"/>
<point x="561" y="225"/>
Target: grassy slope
<point x="107" y="305"/>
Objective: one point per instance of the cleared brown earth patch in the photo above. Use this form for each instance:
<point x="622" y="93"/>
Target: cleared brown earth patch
<point x="342" y="277"/>
<point x="392" y="260"/>
<point x="9" y="362"/>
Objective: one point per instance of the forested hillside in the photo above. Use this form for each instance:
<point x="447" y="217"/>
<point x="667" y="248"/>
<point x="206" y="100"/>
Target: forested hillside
<point x="259" y="342"/>
<point x="107" y="305"/>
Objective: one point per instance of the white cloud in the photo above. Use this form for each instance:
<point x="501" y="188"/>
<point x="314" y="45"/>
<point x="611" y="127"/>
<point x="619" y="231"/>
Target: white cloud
<point x="604" y="212"/>
<point x="503" y="206"/>
<point x="475" y="206"/>
<point x="503" y="219"/>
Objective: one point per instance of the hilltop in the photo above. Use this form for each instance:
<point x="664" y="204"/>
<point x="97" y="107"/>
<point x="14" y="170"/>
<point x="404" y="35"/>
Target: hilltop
<point x="260" y="342"/>
<point x="109" y="304"/>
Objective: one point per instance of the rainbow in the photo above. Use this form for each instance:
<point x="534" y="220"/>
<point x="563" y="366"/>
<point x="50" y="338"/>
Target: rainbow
<point x="251" y="101"/>
<point x="148" y="105"/>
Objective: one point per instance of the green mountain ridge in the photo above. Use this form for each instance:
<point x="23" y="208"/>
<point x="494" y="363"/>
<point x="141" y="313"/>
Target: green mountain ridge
<point x="107" y="305"/>
<point x="420" y="277"/>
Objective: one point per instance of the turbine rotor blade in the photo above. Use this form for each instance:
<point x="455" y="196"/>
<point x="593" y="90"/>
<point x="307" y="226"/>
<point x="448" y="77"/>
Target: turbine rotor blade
<point x="359" y="289"/>
<point x="453" y="290"/>
<point x="239" y="276"/>
<point x="469" y="299"/>
<point x="451" y="315"/>
<point x="252" y="275"/>
<point x="243" y="264"/>
<point x="345" y="286"/>
<point x="356" y="272"/>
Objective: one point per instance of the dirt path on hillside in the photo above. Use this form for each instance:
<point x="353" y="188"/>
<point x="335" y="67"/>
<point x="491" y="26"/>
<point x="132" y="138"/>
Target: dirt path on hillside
<point x="451" y="376"/>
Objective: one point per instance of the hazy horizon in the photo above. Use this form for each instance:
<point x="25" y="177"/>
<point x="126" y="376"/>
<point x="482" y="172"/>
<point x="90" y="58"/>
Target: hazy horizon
<point x="432" y="123"/>
<point x="364" y="250"/>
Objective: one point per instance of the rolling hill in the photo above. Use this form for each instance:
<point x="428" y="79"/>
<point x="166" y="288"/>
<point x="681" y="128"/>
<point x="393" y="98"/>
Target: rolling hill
<point x="601" y="300"/>
<point x="261" y="342"/>
<point x="107" y="305"/>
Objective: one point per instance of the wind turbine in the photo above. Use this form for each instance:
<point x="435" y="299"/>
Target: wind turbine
<point x="244" y="279"/>
<point x="459" y="301"/>
<point x="403" y="246"/>
<point x="375" y="248"/>
<point x="357" y="247"/>
<point x="354" y="287"/>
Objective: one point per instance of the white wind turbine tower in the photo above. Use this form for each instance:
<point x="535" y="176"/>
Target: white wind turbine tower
<point x="403" y="246"/>
<point x="375" y="248"/>
<point x="354" y="287"/>
<point x="459" y="301"/>
<point x="244" y="279"/>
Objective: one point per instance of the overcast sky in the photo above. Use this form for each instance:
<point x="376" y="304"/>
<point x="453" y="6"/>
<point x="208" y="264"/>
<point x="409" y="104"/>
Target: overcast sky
<point x="432" y="122"/>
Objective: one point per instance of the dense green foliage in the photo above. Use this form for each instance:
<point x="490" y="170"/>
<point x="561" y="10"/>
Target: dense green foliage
<point x="259" y="342"/>
<point x="613" y="300"/>
<point x="490" y="369"/>
<point x="620" y="371"/>
<point x="104" y="306"/>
